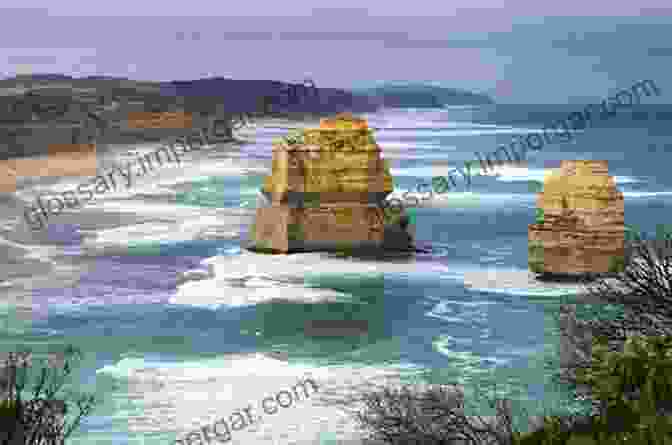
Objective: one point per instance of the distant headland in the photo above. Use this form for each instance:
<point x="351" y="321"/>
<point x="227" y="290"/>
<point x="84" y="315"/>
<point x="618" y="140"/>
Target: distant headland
<point x="420" y="95"/>
<point x="41" y="109"/>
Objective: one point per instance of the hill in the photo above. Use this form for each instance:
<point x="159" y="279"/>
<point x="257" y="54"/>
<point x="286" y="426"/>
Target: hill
<point x="422" y="96"/>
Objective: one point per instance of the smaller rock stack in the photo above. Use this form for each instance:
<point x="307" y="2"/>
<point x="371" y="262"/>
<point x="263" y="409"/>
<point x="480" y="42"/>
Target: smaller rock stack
<point x="325" y="192"/>
<point x="580" y="227"/>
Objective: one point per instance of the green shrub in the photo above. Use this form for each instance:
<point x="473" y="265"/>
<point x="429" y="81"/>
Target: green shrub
<point x="553" y="432"/>
<point x="435" y="416"/>
<point x="263" y="246"/>
<point x="294" y="137"/>
<point x="295" y="232"/>
<point x="631" y="385"/>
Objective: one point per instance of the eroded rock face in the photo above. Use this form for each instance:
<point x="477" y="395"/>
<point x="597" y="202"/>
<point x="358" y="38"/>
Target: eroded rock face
<point x="326" y="190"/>
<point x="340" y="161"/>
<point x="580" y="226"/>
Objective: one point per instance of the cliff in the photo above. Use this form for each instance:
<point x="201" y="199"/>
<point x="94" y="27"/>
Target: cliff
<point x="580" y="225"/>
<point x="325" y="192"/>
<point x="340" y="159"/>
<point x="36" y="110"/>
<point x="244" y="96"/>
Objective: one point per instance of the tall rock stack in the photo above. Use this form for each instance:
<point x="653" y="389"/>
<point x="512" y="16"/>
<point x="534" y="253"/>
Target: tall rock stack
<point x="325" y="192"/>
<point x="580" y="226"/>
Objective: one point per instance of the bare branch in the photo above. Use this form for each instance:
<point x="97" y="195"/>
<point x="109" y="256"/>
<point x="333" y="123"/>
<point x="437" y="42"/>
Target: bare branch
<point x="41" y="420"/>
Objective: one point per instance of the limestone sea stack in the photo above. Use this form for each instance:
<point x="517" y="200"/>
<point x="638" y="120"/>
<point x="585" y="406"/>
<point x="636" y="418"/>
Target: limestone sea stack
<point x="326" y="192"/>
<point x="580" y="227"/>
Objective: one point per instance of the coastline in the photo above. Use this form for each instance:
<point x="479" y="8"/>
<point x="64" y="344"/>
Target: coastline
<point x="27" y="261"/>
<point x="112" y="219"/>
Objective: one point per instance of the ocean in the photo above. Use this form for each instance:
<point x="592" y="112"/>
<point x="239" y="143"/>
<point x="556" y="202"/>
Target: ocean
<point x="180" y="326"/>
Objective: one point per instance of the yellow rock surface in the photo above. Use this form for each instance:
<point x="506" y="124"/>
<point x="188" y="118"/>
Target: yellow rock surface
<point x="281" y="228"/>
<point x="334" y="168"/>
<point x="580" y="227"/>
<point x="341" y="156"/>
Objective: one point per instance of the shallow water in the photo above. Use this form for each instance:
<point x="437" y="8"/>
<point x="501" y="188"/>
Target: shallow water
<point x="180" y="326"/>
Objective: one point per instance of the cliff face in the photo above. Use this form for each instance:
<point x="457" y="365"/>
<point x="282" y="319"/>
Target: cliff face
<point x="580" y="226"/>
<point x="340" y="161"/>
<point x="47" y="115"/>
<point x="244" y="96"/>
<point x="37" y="110"/>
<point x="325" y="191"/>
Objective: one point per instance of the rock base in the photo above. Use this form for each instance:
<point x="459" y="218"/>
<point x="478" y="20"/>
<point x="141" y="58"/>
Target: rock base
<point x="343" y="227"/>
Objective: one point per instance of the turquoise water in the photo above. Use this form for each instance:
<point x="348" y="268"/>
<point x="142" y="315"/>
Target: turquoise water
<point x="149" y="340"/>
<point x="222" y="192"/>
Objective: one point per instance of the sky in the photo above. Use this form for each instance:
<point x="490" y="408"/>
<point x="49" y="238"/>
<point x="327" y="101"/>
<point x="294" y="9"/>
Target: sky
<point x="517" y="52"/>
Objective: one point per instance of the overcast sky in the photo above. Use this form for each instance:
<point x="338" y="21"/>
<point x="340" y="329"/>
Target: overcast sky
<point x="522" y="51"/>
